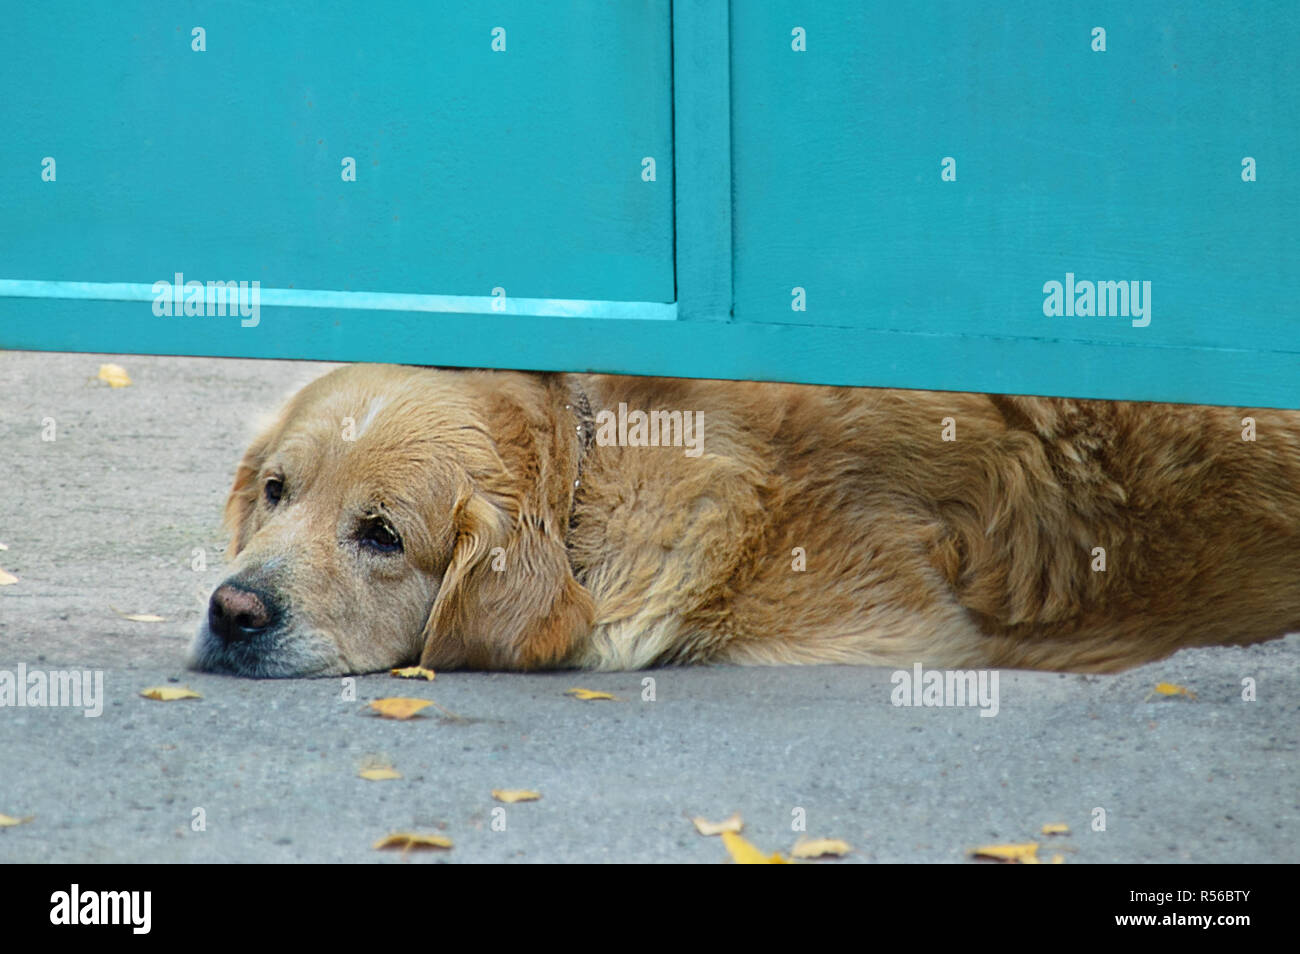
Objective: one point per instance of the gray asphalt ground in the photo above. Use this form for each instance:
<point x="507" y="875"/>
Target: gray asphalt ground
<point x="107" y="517"/>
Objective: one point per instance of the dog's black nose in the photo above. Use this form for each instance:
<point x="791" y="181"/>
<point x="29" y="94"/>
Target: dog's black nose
<point x="235" y="613"/>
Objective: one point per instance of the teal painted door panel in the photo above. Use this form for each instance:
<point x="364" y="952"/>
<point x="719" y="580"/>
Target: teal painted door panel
<point x="474" y="169"/>
<point x="1123" y="165"/>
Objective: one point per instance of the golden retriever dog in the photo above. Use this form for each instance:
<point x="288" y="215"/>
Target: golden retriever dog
<point x="517" y="521"/>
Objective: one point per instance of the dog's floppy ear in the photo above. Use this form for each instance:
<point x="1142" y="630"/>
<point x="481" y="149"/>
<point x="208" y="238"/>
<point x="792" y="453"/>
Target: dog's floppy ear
<point x="244" y="491"/>
<point x="509" y="599"/>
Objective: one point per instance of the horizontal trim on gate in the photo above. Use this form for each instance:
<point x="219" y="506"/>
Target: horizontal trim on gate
<point x="692" y="349"/>
<point x="363" y="301"/>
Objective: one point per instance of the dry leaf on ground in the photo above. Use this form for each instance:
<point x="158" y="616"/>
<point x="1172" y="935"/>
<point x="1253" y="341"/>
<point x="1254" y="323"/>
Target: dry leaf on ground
<point x="512" y="795"/>
<point x="379" y="774"/>
<point x="8" y="821"/>
<point x="820" y="848"/>
<point x="138" y="617"/>
<point x="705" y="827"/>
<point x="1025" y="854"/>
<point x="1171" y="689"/>
<point x="743" y="853"/>
<point x="409" y="841"/>
<point x="169" y="693"/>
<point x="398" y="707"/>
<point x="413" y="672"/>
<point x="586" y="695"/>
<point x="1056" y="828"/>
<point x="7" y="579"/>
<point x="114" y="375"/>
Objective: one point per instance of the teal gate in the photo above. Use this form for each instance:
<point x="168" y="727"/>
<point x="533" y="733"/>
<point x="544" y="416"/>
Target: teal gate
<point x="1087" y="199"/>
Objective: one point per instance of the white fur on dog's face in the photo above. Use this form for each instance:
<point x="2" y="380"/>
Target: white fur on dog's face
<point x="343" y="522"/>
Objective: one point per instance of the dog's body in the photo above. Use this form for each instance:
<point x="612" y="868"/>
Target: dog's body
<point x="810" y="525"/>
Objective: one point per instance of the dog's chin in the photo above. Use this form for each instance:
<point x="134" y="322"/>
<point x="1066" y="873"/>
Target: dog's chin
<point x="272" y="655"/>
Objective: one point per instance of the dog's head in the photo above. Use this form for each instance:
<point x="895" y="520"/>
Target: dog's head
<point x="395" y="514"/>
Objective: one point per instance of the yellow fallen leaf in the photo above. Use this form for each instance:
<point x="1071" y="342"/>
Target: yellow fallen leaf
<point x="1056" y="828"/>
<point x="114" y="375"/>
<point x="138" y="617"/>
<point x="512" y="795"/>
<point x="820" y="847"/>
<point x="379" y="774"/>
<point x="8" y="821"/>
<point x="1172" y="689"/>
<point x="1058" y="859"/>
<point x="1025" y="854"/>
<point x="7" y="579"/>
<point x="586" y="695"/>
<point x="705" y="827"/>
<point x="169" y="693"/>
<point x="743" y="853"/>
<point x="409" y="840"/>
<point x="398" y="707"/>
<point x="413" y="672"/>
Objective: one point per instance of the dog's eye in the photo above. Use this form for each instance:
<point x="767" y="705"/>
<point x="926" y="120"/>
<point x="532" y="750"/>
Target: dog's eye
<point x="378" y="535"/>
<point x="274" y="490"/>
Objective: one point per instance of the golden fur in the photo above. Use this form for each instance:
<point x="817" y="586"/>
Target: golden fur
<point x="973" y="552"/>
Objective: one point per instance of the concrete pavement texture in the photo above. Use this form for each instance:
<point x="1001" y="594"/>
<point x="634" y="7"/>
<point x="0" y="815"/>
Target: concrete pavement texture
<point x="119" y="514"/>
